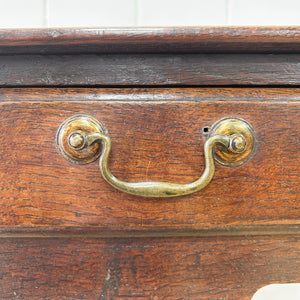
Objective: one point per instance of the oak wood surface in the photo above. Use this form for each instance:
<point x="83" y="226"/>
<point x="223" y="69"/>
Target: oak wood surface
<point x="240" y="233"/>
<point x="151" y="40"/>
<point x="159" y="268"/>
<point x="149" y="69"/>
<point x="156" y="135"/>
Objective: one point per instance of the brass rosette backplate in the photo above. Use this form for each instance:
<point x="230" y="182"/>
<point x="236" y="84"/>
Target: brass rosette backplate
<point x="234" y="126"/>
<point x="71" y="143"/>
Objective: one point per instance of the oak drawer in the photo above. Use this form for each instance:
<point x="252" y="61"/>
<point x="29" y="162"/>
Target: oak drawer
<point x="157" y="134"/>
<point x="146" y="268"/>
<point x="65" y="233"/>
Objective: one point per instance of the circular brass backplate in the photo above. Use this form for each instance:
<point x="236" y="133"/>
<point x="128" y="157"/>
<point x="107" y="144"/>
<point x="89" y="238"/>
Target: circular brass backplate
<point x="66" y="134"/>
<point x="231" y="126"/>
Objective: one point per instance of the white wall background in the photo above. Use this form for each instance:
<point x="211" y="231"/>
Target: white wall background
<point x="84" y="13"/>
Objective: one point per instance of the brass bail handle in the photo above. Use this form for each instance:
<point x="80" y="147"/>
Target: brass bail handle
<point x="81" y="139"/>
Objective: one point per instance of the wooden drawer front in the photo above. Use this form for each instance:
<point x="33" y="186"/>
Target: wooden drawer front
<point x="156" y="135"/>
<point x="150" y="268"/>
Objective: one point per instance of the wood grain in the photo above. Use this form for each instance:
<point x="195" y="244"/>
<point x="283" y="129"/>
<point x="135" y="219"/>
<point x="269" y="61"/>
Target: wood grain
<point x="149" y="70"/>
<point x="240" y="233"/>
<point x="151" y="40"/>
<point x="156" y="135"/>
<point x="161" y="268"/>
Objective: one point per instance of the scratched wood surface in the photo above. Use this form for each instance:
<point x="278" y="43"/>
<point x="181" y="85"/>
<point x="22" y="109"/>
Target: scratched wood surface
<point x="155" y="40"/>
<point x="159" y="268"/>
<point x="149" y="69"/>
<point x="66" y="234"/>
<point x="156" y="135"/>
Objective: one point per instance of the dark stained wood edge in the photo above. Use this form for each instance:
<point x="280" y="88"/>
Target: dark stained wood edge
<point x="105" y="232"/>
<point x="150" y="70"/>
<point x="151" y="94"/>
<point x="151" y="40"/>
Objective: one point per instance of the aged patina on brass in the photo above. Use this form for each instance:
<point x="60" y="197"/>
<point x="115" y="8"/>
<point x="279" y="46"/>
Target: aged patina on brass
<point x="231" y="142"/>
<point x="242" y="141"/>
<point x="71" y="142"/>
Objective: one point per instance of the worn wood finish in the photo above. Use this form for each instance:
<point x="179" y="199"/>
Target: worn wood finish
<point x="150" y="70"/>
<point x="154" y="40"/>
<point x="147" y="94"/>
<point x="155" y="135"/>
<point x="66" y="234"/>
<point x="170" y="268"/>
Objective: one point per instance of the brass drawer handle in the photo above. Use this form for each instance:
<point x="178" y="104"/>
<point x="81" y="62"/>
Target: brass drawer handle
<point x="231" y="142"/>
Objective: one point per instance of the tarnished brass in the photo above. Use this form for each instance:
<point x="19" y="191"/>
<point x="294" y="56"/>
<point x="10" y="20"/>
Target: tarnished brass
<point x="79" y="138"/>
<point x="71" y="136"/>
<point x="242" y="143"/>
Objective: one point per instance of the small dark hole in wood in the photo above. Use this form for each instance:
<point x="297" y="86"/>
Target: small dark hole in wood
<point x="205" y="130"/>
